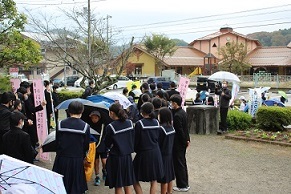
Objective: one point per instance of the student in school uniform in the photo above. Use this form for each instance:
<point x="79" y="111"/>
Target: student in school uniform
<point x="166" y="145"/>
<point x="73" y="138"/>
<point x="120" y="139"/>
<point x="101" y="151"/>
<point x="148" y="163"/>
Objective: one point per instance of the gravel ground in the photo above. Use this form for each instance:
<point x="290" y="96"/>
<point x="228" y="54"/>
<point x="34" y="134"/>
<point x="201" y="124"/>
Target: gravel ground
<point x="217" y="165"/>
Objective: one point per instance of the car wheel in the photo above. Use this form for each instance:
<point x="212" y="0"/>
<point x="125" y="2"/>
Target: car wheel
<point x="114" y="87"/>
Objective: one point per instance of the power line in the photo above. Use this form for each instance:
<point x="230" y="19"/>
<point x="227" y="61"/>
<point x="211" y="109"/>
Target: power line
<point x="61" y="3"/>
<point x="214" y="30"/>
<point x="203" y="21"/>
<point x="202" y="17"/>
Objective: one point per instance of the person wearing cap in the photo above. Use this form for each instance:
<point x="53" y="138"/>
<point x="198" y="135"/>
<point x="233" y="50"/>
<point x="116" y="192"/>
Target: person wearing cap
<point x="243" y="102"/>
<point x="101" y="152"/>
<point x="16" y="142"/>
<point x="225" y="96"/>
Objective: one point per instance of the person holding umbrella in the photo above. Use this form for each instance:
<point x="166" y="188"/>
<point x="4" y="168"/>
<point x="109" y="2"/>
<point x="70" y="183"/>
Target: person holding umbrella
<point x="72" y="138"/>
<point x="225" y="96"/>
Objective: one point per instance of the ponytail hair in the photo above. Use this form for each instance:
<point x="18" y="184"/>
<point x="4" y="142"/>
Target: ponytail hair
<point x="148" y="109"/>
<point x="118" y="110"/>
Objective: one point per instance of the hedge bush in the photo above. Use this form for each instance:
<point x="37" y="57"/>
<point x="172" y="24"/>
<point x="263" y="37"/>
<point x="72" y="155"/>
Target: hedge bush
<point x="238" y="120"/>
<point x="273" y="118"/>
<point x="65" y="94"/>
<point x="5" y="84"/>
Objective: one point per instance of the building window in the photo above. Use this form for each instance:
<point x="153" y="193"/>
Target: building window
<point x="138" y="70"/>
<point x="179" y="70"/>
<point x="75" y="72"/>
<point x="214" y="45"/>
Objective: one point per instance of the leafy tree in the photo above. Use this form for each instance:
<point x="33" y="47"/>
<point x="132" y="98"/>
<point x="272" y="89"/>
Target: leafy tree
<point x="88" y="51"/>
<point x="159" y="46"/>
<point x="234" y="58"/>
<point x="281" y="37"/>
<point x="180" y="42"/>
<point x="15" y="49"/>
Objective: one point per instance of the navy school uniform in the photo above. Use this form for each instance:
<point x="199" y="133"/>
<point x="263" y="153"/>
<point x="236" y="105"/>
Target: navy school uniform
<point x="100" y="129"/>
<point x="73" y="138"/>
<point x="166" y="146"/>
<point x="148" y="163"/>
<point x="120" y="139"/>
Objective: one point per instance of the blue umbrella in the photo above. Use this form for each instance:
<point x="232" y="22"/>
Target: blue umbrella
<point x="99" y="99"/>
<point x="65" y="104"/>
<point x="273" y="102"/>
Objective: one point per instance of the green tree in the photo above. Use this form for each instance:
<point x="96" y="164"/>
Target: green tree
<point x="14" y="48"/>
<point x="159" y="46"/>
<point x="234" y="58"/>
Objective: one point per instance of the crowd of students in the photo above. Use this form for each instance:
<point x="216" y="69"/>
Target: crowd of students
<point x="156" y="134"/>
<point x="155" y="129"/>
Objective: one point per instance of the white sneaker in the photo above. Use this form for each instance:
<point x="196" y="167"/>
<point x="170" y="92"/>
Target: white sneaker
<point x="181" y="189"/>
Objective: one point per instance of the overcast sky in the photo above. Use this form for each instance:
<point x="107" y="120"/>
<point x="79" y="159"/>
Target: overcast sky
<point x="182" y="19"/>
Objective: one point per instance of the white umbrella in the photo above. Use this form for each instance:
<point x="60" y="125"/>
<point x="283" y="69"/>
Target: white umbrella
<point x="14" y="172"/>
<point x="118" y="97"/>
<point x="224" y="76"/>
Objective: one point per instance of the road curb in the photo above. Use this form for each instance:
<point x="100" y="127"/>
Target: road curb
<point x="257" y="140"/>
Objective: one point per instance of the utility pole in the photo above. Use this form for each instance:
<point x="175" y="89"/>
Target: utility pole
<point x="107" y="29"/>
<point x="89" y="32"/>
<point x="65" y="64"/>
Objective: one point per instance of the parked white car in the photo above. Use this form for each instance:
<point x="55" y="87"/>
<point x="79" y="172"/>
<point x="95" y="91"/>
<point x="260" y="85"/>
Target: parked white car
<point x="121" y="83"/>
<point x="78" y="82"/>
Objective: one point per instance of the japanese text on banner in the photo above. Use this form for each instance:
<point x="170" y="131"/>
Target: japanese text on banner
<point x="42" y="131"/>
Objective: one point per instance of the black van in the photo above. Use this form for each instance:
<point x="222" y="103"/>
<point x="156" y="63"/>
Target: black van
<point x="203" y="83"/>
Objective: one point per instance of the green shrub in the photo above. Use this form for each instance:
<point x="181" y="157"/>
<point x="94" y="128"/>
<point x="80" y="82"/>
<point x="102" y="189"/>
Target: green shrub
<point x="5" y="84"/>
<point x="273" y="118"/>
<point x="238" y="120"/>
<point x="65" y="95"/>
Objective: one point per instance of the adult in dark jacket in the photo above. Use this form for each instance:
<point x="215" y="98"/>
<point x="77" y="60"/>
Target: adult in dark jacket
<point x="7" y="99"/>
<point x="16" y="142"/>
<point x="225" y="96"/>
<point x="181" y="142"/>
<point x="89" y="90"/>
<point x="30" y="114"/>
<point x="49" y="105"/>
<point x="56" y="102"/>
<point x="172" y="90"/>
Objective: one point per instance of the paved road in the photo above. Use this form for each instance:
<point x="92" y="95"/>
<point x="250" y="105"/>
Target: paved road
<point x="217" y="165"/>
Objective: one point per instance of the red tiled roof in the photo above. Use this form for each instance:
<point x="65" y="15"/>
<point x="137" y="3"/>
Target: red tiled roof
<point x="270" y="56"/>
<point x="185" y="56"/>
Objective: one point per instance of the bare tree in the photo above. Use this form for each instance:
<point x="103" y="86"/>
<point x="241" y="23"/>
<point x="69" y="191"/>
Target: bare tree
<point x="85" y="48"/>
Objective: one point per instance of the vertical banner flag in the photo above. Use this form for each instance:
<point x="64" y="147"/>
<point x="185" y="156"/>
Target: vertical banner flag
<point x="41" y="124"/>
<point x="255" y="101"/>
<point x="234" y="92"/>
<point x="183" y="88"/>
<point x="15" y="84"/>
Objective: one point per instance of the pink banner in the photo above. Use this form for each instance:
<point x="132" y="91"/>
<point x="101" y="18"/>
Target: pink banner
<point x="41" y="124"/>
<point x="15" y="84"/>
<point x="183" y="88"/>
